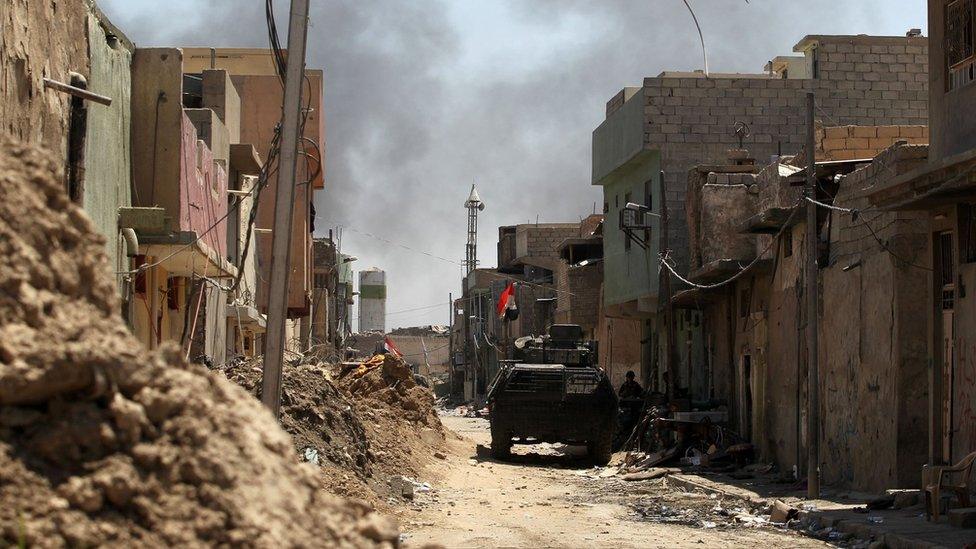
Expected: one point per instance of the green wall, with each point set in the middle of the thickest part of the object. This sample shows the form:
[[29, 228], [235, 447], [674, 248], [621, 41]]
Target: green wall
[[107, 159], [631, 273]]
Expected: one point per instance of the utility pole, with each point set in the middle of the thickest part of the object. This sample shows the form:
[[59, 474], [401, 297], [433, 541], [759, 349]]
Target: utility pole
[[813, 369], [450, 342], [284, 207]]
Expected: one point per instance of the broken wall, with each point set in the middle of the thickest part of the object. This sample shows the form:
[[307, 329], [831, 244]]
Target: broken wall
[[727, 201]]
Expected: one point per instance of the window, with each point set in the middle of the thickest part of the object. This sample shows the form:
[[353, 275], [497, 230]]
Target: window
[[959, 43], [787, 243], [967, 232], [814, 63]]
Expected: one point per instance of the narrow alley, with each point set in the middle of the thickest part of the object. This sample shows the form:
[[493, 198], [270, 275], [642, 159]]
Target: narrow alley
[[440, 274]]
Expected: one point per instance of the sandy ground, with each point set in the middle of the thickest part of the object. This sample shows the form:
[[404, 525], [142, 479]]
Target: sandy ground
[[544, 499]]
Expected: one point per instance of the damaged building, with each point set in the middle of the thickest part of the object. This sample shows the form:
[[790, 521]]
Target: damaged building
[[746, 225]]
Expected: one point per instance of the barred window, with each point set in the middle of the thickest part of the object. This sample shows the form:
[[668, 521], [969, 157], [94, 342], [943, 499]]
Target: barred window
[[967, 232], [959, 43]]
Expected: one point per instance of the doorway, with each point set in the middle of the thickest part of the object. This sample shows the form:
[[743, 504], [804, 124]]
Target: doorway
[[745, 396]]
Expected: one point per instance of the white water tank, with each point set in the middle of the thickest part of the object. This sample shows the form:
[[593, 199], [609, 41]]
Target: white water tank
[[372, 300]]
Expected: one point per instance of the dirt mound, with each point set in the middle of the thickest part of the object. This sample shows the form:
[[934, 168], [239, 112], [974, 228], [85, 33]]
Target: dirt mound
[[321, 419], [102, 443], [388, 379], [399, 415]]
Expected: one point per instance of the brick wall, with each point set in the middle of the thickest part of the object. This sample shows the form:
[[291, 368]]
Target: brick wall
[[543, 240], [856, 142], [861, 81]]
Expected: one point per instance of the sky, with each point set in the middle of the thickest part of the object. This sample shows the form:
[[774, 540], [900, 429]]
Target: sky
[[424, 98]]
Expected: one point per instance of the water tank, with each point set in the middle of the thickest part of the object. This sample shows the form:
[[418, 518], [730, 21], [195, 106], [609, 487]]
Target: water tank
[[372, 300]]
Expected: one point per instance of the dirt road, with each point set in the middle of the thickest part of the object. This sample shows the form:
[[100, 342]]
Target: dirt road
[[547, 497]]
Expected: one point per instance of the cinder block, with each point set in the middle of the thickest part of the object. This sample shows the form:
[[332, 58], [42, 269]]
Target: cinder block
[[865, 131], [857, 143], [835, 144], [879, 143], [838, 132], [911, 131], [889, 131]]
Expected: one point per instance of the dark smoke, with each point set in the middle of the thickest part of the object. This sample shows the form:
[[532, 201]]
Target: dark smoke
[[410, 125]]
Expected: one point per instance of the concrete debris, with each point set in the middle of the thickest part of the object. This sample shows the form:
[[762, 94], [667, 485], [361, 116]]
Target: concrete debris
[[104, 443], [781, 513], [650, 474]]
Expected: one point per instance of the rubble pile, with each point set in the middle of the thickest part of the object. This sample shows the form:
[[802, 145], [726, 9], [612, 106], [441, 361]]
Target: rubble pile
[[321, 420], [399, 414], [103, 443], [388, 379]]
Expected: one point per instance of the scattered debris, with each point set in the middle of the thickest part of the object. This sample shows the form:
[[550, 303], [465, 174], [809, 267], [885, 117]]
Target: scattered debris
[[649, 474]]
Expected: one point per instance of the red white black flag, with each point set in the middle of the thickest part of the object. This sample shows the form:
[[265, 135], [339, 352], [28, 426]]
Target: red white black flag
[[506, 308], [390, 348]]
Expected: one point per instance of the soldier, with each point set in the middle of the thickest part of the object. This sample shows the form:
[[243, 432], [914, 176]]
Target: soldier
[[630, 388]]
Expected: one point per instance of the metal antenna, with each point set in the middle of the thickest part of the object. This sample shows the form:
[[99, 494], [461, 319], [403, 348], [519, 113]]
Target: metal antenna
[[474, 205], [700, 36]]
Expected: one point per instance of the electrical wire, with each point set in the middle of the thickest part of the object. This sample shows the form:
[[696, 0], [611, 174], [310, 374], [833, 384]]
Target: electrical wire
[[855, 219], [666, 256]]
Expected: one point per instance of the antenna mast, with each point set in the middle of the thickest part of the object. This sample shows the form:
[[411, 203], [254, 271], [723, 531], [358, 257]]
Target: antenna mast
[[474, 205]]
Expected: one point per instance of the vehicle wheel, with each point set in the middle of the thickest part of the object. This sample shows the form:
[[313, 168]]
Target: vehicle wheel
[[501, 443], [601, 449]]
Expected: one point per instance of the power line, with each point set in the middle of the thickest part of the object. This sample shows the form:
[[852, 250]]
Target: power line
[[855, 219], [666, 256]]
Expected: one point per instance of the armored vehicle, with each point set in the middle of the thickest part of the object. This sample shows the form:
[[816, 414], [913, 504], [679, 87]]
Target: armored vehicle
[[553, 391]]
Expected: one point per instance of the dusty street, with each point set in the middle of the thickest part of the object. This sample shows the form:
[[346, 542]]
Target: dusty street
[[545, 498]]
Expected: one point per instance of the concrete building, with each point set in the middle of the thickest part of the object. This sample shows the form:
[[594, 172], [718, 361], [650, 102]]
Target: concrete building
[[750, 350], [372, 300], [943, 189], [181, 165], [654, 134], [252, 74]]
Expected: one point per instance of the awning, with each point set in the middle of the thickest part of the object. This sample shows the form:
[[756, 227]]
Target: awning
[[183, 254], [948, 182], [248, 316], [722, 269], [772, 220]]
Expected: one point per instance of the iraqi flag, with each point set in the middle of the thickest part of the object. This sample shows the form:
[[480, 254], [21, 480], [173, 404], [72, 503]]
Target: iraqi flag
[[506, 308], [390, 348]]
